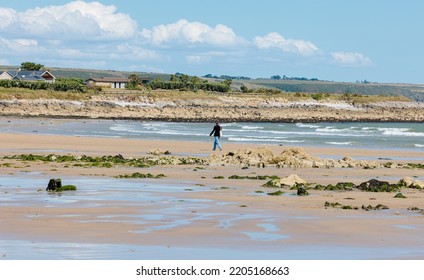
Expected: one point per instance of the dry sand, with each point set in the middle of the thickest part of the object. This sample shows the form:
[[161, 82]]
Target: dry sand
[[218, 213]]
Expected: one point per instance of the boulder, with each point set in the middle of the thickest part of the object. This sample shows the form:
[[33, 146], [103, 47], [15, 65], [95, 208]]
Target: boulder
[[292, 180], [375, 185], [54, 185], [406, 181], [301, 191], [411, 183]]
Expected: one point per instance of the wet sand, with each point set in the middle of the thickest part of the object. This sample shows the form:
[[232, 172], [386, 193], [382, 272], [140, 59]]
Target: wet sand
[[189, 214]]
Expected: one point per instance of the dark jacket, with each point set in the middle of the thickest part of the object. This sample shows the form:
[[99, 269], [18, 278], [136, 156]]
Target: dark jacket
[[216, 131]]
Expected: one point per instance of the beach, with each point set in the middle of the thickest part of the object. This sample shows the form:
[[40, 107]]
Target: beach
[[196, 211]]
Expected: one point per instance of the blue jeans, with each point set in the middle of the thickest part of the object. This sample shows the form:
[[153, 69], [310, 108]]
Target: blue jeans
[[216, 143]]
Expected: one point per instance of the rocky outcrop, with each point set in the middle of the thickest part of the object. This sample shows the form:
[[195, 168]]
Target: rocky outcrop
[[247, 157], [290, 158], [225, 108]]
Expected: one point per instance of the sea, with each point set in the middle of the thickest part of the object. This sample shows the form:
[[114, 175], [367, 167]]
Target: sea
[[369, 135]]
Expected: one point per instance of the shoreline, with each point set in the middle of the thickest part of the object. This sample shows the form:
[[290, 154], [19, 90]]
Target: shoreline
[[208, 120], [191, 212], [224, 109]]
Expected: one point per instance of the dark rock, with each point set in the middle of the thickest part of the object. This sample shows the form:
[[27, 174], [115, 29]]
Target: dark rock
[[374, 185], [54, 185], [399, 195], [302, 191]]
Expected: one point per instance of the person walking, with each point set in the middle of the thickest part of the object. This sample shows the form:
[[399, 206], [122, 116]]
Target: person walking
[[217, 133]]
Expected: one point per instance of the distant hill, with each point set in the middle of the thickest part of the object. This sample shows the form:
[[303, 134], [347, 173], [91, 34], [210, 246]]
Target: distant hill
[[412, 91], [89, 73]]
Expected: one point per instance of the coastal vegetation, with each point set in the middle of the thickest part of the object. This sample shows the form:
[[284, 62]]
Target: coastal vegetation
[[190, 83], [291, 88], [328, 204], [138, 175], [61, 84]]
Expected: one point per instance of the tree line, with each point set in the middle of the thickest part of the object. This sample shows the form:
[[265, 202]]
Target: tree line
[[185, 82], [61, 84]]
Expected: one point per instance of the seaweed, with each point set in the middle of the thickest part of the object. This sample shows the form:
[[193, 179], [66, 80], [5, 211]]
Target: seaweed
[[332, 204], [338, 205], [67, 188], [374, 185], [140, 175], [399, 195], [108, 160], [415, 165], [341, 186], [277, 193], [258, 177], [378, 207]]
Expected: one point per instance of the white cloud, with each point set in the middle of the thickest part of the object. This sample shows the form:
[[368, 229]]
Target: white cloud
[[184, 31], [75, 20], [275, 40], [7, 17], [18, 46], [350, 59]]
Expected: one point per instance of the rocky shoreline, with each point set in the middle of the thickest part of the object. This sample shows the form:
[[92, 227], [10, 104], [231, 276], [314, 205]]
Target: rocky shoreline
[[222, 108]]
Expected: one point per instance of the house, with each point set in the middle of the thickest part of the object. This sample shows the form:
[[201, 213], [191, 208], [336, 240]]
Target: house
[[111, 82], [28, 75]]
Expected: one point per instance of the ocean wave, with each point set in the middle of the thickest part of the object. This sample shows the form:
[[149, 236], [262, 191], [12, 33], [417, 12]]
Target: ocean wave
[[332, 129], [159, 132], [419, 145], [248, 127], [307, 125], [339, 143], [400, 132], [293, 141]]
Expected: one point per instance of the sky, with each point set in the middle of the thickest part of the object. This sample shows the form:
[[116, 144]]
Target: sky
[[348, 41]]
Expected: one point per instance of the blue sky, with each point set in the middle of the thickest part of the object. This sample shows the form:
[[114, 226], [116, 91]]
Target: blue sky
[[379, 41]]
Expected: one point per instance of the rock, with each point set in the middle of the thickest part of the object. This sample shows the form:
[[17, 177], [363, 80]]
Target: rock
[[406, 181], [301, 191], [54, 185], [291, 180], [247, 157], [399, 195], [288, 181], [374, 185], [156, 152], [298, 158], [418, 184], [411, 183]]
